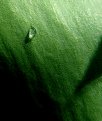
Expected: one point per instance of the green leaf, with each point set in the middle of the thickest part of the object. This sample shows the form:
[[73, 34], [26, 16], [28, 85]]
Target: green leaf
[[65, 54]]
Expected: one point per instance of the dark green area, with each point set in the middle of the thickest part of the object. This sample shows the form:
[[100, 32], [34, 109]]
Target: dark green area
[[17, 100], [94, 70]]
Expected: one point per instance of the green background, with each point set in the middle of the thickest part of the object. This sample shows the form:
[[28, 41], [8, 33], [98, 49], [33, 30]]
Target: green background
[[61, 54]]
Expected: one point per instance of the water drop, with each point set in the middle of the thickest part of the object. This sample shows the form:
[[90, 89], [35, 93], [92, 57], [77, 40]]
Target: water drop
[[32, 32], [30, 35]]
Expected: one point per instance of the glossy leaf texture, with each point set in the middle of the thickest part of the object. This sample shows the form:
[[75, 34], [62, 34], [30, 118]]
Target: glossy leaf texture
[[62, 64]]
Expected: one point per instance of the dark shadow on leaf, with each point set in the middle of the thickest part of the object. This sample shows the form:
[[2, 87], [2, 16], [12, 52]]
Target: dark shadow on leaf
[[16, 98], [27, 40], [94, 70]]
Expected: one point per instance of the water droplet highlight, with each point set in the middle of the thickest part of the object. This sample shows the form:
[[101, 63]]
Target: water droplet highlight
[[32, 32], [30, 35]]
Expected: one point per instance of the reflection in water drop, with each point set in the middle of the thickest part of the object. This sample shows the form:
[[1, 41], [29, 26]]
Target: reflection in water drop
[[32, 32], [30, 35]]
